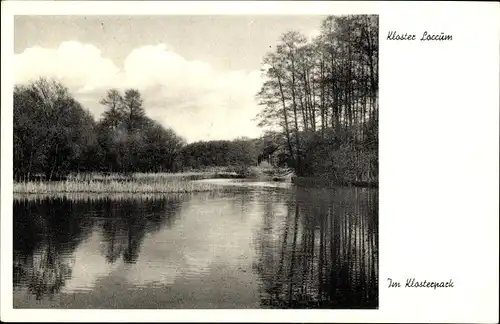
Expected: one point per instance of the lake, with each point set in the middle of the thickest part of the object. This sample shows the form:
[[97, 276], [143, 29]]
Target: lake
[[261, 245]]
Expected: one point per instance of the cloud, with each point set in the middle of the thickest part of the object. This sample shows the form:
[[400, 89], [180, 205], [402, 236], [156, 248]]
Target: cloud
[[87, 265], [201, 238], [189, 96], [77, 65], [311, 35]]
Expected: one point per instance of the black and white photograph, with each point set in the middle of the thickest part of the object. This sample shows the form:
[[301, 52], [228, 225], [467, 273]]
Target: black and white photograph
[[195, 162], [249, 161]]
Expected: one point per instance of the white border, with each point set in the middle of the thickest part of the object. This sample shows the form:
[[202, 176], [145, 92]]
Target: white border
[[439, 115]]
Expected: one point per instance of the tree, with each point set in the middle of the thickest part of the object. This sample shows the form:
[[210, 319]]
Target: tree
[[114, 116], [52, 131], [331, 81], [133, 110], [132, 142], [161, 148]]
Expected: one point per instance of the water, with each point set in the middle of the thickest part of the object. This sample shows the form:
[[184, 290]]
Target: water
[[262, 245]]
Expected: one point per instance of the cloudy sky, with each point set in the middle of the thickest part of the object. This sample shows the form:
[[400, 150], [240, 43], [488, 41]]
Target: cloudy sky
[[197, 74]]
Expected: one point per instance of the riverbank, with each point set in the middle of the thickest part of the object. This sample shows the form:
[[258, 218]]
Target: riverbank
[[120, 183], [328, 183], [182, 182], [172, 186]]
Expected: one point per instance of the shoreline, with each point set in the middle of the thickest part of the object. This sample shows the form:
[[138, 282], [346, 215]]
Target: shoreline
[[163, 183], [160, 186], [316, 182]]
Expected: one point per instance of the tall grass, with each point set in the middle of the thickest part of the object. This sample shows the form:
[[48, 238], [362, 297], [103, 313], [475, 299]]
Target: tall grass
[[115, 186], [123, 196], [183, 182], [164, 176]]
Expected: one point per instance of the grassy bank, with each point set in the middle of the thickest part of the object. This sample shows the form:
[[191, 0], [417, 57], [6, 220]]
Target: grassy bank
[[69, 186], [155, 177], [183, 182], [119, 183]]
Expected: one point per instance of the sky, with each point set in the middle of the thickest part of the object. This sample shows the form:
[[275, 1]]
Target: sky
[[197, 74]]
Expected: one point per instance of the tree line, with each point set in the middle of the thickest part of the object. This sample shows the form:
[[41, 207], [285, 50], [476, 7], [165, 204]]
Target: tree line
[[54, 135], [320, 97], [320, 109]]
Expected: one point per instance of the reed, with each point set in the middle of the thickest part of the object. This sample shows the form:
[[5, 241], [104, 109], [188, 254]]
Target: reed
[[158, 185], [155, 183], [160, 176], [121, 196]]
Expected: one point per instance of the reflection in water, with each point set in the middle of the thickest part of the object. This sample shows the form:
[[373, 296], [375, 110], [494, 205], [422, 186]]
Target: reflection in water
[[320, 251], [257, 248], [47, 232]]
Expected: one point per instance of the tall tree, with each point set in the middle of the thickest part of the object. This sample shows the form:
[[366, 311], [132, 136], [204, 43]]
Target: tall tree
[[114, 101], [52, 131], [334, 78], [134, 114]]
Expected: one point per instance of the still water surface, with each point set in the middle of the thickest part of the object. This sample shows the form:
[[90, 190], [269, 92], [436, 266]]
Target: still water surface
[[261, 245]]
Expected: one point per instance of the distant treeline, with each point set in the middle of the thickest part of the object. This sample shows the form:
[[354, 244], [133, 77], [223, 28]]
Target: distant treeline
[[239, 152], [54, 135], [322, 96]]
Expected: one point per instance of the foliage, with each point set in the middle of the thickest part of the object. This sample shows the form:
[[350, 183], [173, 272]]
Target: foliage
[[320, 107], [237, 153], [323, 96], [54, 136], [51, 130]]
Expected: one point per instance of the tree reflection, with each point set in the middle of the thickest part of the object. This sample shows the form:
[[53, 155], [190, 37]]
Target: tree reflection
[[328, 251], [111, 229], [48, 231], [49, 271], [127, 222], [135, 224]]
